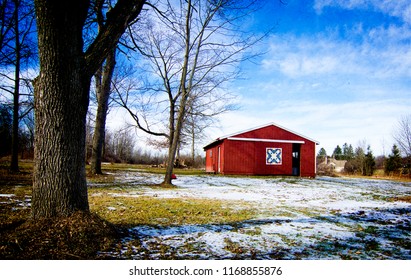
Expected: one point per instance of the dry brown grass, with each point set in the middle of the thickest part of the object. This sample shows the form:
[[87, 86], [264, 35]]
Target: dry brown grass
[[404, 198], [79, 236]]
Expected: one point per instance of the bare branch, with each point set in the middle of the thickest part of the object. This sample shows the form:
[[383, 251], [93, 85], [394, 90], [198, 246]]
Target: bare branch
[[123, 102], [123, 13], [402, 135]]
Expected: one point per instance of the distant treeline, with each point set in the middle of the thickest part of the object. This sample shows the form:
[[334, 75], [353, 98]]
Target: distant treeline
[[362, 161], [26, 133], [119, 146]]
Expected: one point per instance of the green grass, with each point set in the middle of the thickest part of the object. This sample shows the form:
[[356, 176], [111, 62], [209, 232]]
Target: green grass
[[144, 210], [253, 231]]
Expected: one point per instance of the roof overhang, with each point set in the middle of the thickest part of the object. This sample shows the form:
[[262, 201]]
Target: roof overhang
[[265, 140]]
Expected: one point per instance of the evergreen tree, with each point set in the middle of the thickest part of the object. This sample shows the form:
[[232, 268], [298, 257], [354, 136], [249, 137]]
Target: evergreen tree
[[337, 154], [350, 153], [344, 151], [393, 162], [369, 163], [322, 153], [347, 152]]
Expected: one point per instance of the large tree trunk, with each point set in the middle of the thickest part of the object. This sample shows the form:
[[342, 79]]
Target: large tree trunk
[[61, 101], [103, 88], [193, 143], [170, 164], [186, 83], [62, 96], [174, 139]]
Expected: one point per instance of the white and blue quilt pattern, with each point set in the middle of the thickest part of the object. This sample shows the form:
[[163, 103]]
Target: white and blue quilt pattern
[[274, 156]]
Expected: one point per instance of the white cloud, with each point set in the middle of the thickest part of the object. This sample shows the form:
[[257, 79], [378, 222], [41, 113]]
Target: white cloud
[[390, 34], [294, 56], [322, 55], [395, 8], [294, 65]]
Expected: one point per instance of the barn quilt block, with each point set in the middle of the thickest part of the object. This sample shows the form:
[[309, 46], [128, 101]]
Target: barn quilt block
[[274, 156]]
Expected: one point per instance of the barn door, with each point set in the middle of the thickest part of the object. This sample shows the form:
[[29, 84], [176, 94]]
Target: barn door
[[296, 159], [219, 160]]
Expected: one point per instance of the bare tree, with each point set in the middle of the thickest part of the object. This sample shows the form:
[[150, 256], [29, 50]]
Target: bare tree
[[122, 143], [17, 48], [402, 135], [62, 97], [193, 48], [103, 79], [193, 130], [203, 107], [6, 25]]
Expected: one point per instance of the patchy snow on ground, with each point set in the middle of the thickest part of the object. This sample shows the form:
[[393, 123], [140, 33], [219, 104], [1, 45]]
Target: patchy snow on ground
[[18, 203], [323, 218]]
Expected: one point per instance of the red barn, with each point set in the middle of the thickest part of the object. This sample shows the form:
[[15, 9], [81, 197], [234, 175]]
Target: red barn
[[266, 150]]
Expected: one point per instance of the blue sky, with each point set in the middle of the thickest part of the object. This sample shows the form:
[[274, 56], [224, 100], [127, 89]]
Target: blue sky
[[336, 71]]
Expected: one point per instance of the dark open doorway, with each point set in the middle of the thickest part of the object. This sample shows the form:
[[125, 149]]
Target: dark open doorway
[[296, 159]]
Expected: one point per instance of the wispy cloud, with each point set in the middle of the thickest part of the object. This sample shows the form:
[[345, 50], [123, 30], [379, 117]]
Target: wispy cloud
[[323, 55], [395, 8]]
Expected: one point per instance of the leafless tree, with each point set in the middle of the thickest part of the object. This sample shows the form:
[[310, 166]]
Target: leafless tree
[[192, 49], [402, 135], [121, 144], [103, 79], [17, 49]]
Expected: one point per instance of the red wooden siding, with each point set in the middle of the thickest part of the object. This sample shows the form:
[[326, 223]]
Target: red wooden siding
[[249, 158], [308, 159], [215, 158], [209, 160], [270, 132]]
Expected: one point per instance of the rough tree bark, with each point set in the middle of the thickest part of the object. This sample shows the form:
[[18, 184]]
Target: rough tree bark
[[61, 100]]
